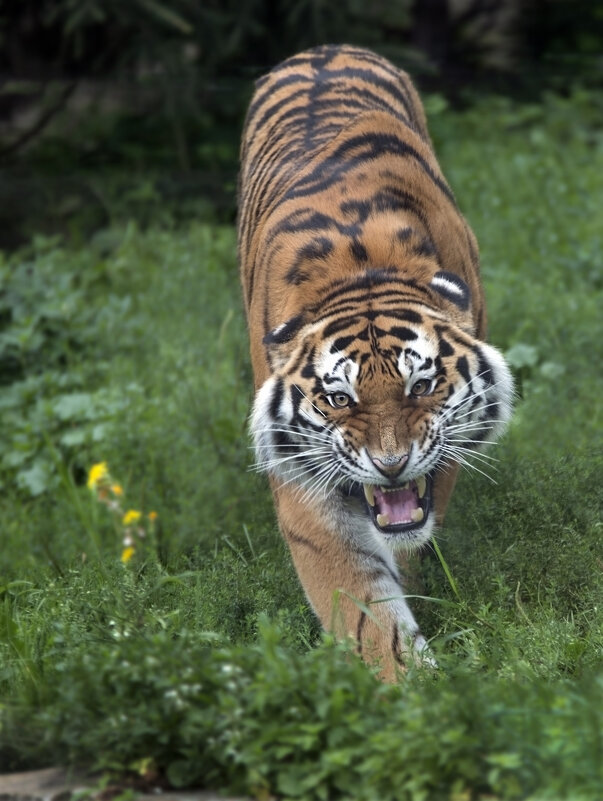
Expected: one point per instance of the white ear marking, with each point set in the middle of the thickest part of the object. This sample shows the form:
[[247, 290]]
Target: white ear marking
[[451, 287]]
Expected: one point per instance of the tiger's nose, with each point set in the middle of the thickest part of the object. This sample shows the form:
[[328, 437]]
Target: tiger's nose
[[390, 465]]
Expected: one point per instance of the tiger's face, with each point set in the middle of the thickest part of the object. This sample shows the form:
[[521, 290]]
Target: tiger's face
[[366, 405]]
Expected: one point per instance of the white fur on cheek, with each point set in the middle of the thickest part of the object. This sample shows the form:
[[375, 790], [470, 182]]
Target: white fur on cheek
[[501, 390], [262, 422], [289, 439]]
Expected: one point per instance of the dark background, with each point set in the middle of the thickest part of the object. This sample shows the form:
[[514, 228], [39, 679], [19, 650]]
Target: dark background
[[113, 108]]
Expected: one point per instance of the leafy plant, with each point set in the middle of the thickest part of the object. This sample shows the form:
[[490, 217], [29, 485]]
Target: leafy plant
[[316, 725], [57, 312]]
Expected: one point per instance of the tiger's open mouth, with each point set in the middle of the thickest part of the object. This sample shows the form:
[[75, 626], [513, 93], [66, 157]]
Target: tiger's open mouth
[[395, 509]]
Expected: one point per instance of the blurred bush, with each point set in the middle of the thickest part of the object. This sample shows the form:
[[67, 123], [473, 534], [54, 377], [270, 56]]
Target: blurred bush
[[221, 38], [162, 85]]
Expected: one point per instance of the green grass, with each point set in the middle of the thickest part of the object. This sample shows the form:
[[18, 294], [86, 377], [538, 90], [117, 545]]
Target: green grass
[[199, 655]]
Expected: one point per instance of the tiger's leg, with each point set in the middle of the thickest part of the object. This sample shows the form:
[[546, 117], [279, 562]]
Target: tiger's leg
[[353, 586]]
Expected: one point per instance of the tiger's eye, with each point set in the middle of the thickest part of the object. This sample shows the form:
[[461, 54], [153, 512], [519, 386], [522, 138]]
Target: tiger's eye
[[421, 387], [339, 400]]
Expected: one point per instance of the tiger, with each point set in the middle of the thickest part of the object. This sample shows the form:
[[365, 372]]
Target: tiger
[[366, 315]]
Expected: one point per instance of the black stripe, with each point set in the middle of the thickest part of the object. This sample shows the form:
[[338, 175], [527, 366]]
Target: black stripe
[[285, 332], [270, 90], [345, 457], [392, 88], [316, 250], [306, 351], [392, 198], [344, 287], [390, 305], [357, 209], [491, 413], [277, 399], [396, 647], [254, 125], [368, 147], [340, 325], [308, 370], [303, 109], [305, 219], [452, 334], [358, 251], [341, 343], [404, 334], [359, 627], [371, 556], [281, 438], [297, 396], [483, 367], [377, 574], [304, 422], [382, 64], [402, 234], [444, 347], [291, 537], [406, 314], [425, 248]]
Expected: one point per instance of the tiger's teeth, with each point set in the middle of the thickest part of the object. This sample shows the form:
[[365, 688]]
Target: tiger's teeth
[[382, 520], [395, 489], [369, 494], [421, 483], [417, 515]]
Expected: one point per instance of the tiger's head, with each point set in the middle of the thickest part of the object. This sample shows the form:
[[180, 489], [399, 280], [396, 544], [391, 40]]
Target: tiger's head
[[373, 392]]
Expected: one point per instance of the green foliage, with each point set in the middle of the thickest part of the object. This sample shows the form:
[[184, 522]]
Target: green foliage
[[315, 725], [525, 556], [132, 350], [565, 39], [57, 311], [218, 36]]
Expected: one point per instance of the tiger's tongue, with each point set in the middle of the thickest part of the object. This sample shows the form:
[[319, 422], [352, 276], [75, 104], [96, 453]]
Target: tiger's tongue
[[398, 505]]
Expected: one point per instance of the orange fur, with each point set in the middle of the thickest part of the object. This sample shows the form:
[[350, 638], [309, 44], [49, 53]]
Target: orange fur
[[347, 227]]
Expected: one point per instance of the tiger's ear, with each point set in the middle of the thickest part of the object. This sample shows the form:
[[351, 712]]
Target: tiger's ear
[[452, 288], [280, 342], [457, 295]]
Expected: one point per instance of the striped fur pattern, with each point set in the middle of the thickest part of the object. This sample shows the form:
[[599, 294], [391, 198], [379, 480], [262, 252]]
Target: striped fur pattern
[[367, 321]]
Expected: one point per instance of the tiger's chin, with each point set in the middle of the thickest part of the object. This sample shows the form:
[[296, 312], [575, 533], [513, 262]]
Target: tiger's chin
[[402, 515]]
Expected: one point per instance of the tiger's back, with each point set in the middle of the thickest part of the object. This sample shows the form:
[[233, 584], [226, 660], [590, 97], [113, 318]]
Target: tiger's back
[[313, 127], [361, 285]]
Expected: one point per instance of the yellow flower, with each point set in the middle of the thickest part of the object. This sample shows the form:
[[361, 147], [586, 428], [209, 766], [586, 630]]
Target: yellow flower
[[131, 516], [98, 472], [117, 489], [153, 516], [127, 554]]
